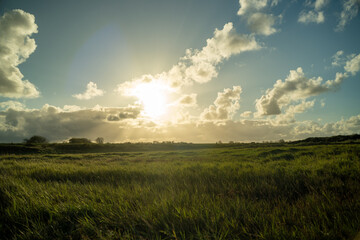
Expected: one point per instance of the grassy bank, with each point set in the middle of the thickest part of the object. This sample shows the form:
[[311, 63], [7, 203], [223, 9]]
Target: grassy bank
[[278, 192]]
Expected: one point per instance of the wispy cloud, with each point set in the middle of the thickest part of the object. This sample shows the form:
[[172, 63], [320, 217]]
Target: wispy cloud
[[349, 11], [311, 17], [338, 58]]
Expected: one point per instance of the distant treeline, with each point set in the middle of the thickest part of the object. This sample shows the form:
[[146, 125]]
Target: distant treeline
[[83, 145], [327, 140]]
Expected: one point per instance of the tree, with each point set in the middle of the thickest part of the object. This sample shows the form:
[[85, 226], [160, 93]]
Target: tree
[[79, 140], [36, 140], [99, 140]]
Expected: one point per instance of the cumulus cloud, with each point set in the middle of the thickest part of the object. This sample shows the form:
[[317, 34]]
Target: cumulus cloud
[[262, 23], [314, 15], [251, 5], [224, 107], [57, 123], [200, 65], [188, 100], [16, 27], [349, 11], [257, 21], [90, 92], [197, 66], [295, 87], [353, 65], [350, 62], [246, 114], [289, 114], [12, 104], [342, 127], [311, 17]]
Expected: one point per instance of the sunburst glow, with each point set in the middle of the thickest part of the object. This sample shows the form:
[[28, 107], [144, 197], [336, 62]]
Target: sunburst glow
[[153, 97]]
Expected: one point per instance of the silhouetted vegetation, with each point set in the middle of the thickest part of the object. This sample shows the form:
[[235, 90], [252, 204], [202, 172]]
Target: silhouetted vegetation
[[84, 145], [79, 140], [99, 140], [327, 140], [225, 191], [36, 140]]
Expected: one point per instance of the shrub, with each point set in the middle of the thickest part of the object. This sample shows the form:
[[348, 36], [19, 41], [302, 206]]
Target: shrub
[[36, 140], [79, 140]]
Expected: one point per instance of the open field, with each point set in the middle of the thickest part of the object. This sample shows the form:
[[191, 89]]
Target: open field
[[210, 192]]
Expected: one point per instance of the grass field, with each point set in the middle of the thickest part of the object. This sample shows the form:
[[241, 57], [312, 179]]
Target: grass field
[[231, 192]]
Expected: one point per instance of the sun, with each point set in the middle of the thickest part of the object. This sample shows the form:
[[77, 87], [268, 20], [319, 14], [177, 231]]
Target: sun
[[152, 95]]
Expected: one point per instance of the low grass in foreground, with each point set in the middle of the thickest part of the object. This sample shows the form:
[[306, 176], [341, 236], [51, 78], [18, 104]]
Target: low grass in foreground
[[303, 192]]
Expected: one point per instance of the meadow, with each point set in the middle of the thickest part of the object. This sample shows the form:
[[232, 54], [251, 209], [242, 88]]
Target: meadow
[[210, 192]]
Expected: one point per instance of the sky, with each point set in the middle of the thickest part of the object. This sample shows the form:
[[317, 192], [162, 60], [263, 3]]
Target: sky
[[167, 70]]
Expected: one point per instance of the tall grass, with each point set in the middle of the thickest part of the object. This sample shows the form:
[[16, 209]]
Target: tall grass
[[271, 193]]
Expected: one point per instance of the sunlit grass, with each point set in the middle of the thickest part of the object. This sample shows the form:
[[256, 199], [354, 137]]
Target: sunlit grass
[[227, 193]]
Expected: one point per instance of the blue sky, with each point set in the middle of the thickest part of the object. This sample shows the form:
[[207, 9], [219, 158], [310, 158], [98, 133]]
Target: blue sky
[[224, 91]]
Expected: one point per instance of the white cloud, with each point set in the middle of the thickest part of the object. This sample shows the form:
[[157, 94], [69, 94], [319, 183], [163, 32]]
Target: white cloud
[[353, 65], [257, 21], [295, 87], [91, 92], [188, 100], [224, 107], [262, 23], [12, 104], [198, 66], [322, 103], [251, 5], [350, 62], [335, 84], [125, 124], [350, 10], [225, 43], [16, 27], [72, 108], [246, 114], [311, 17], [338, 58], [319, 4], [314, 15], [342, 127], [58, 124], [289, 113]]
